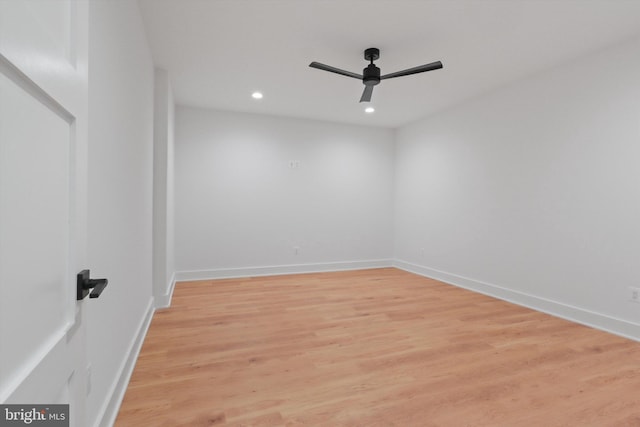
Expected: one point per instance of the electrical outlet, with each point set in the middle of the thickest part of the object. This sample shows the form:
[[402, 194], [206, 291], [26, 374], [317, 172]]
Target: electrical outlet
[[634, 294], [296, 250]]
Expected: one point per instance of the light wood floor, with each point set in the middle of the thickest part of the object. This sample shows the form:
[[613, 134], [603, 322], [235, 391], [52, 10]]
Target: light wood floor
[[373, 348]]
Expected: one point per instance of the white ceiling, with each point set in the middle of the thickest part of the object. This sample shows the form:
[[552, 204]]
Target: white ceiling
[[217, 52]]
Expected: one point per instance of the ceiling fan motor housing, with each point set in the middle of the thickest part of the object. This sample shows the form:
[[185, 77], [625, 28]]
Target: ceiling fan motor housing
[[371, 75]]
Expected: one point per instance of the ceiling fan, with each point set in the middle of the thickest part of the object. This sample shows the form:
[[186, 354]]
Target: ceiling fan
[[371, 74]]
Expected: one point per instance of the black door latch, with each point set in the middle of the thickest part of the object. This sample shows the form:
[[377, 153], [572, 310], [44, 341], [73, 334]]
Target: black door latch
[[87, 286]]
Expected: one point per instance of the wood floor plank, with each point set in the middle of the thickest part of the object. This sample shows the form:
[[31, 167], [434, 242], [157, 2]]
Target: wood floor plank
[[377, 347]]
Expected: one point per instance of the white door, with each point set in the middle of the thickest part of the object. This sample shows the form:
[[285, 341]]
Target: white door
[[43, 131]]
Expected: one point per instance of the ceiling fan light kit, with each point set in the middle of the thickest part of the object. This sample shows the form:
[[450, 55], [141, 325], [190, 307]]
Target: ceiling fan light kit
[[371, 73]]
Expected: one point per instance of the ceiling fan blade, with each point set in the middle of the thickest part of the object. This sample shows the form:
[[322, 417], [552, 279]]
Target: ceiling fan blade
[[419, 69], [331, 69], [366, 95]]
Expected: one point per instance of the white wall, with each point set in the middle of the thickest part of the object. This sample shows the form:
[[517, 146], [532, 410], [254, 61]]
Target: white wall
[[120, 197], [163, 229], [240, 206], [532, 192]]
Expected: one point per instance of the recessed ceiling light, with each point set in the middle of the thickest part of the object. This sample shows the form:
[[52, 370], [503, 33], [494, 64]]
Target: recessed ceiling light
[[257, 95], [369, 110]]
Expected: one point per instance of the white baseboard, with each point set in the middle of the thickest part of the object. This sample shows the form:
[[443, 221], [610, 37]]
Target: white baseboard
[[580, 315], [111, 406], [164, 301], [228, 273]]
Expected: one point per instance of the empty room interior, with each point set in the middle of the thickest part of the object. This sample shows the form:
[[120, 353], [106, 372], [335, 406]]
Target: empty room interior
[[321, 213]]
